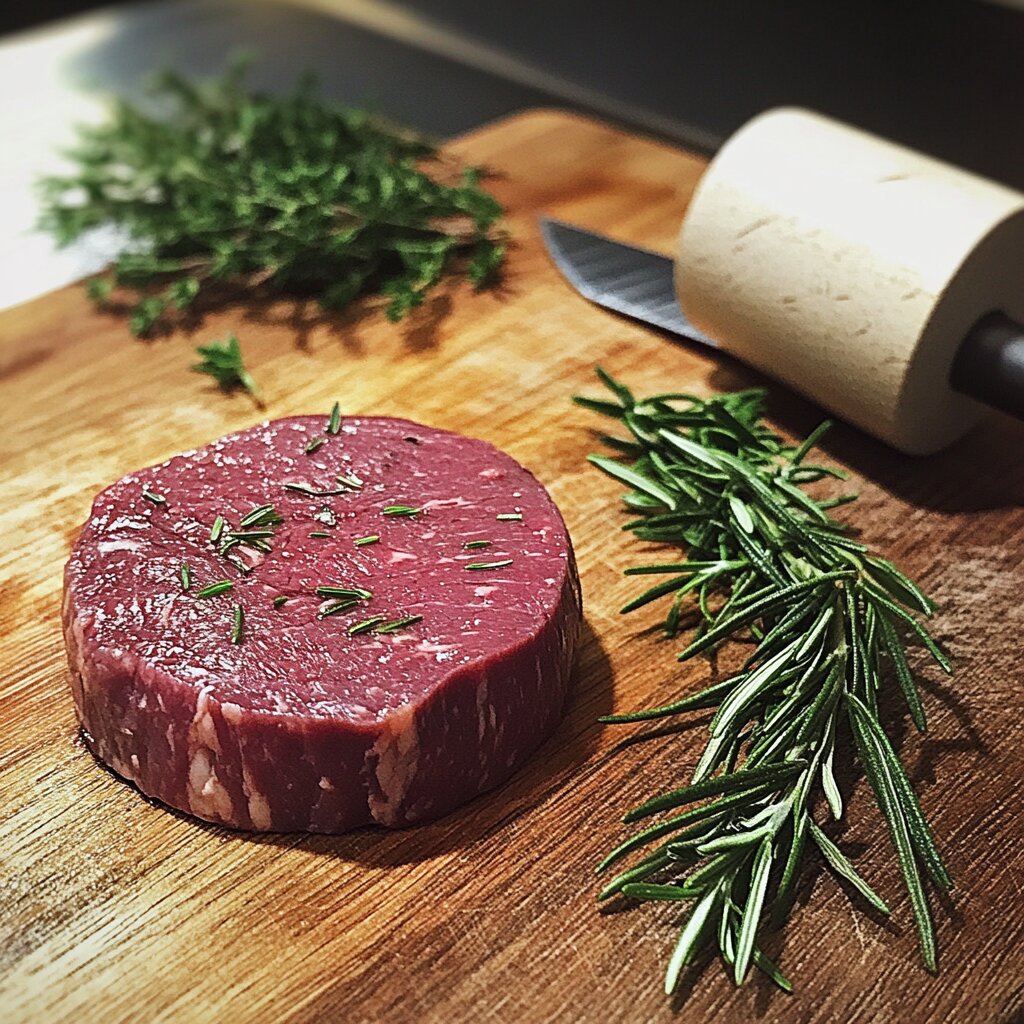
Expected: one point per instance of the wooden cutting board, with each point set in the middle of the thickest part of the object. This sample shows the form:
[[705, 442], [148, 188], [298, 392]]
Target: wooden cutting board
[[112, 909]]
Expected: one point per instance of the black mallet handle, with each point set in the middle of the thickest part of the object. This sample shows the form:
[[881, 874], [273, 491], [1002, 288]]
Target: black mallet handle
[[990, 364]]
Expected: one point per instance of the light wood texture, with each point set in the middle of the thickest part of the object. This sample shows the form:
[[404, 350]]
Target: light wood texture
[[112, 909]]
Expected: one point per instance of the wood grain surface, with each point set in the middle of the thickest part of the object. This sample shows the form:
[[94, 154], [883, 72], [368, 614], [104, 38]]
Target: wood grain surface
[[112, 909]]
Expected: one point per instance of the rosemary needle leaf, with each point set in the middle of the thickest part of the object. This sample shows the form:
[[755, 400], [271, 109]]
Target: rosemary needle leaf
[[228, 189], [636, 480], [752, 910], [767, 967], [842, 867], [185, 573], [366, 625], [217, 529], [335, 607], [689, 940], [236, 633], [888, 801], [213, 589], [397, 624], [643, 891], [334, 422], [361, 542], [359, 593], [222, 360], [828, 622]]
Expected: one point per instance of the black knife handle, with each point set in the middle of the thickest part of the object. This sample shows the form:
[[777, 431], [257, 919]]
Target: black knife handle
[[990, 364]]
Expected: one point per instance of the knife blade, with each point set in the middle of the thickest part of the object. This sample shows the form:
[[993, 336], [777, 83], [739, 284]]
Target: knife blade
[[624, 278]]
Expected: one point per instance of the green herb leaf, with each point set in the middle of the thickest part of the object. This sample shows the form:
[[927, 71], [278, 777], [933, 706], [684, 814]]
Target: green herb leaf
[[236, 633], [366, 625], [334, 422], [334, 607], [213, 589], [402, 510], [329, 590], [217, 529], [397, 624]]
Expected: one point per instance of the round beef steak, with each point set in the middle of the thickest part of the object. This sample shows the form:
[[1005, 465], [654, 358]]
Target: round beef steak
[[317, 624]]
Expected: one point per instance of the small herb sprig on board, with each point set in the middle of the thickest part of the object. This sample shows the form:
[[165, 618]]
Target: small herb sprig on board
[[828, 622], [292, 193], [222, 360]]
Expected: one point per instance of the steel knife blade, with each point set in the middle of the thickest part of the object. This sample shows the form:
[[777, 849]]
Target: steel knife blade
[[627, 279]]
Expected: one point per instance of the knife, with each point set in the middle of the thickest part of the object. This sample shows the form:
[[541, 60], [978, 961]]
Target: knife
[[640, 284]]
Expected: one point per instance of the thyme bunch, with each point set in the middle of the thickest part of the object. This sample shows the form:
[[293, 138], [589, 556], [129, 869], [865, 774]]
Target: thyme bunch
[[292, 194], [829, 625]]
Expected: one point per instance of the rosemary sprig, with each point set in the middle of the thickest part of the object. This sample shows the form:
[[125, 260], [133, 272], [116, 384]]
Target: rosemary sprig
[[289, 193], [222, 360], [828, 621]]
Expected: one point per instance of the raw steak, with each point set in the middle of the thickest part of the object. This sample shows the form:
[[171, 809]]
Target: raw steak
[[322, 711]]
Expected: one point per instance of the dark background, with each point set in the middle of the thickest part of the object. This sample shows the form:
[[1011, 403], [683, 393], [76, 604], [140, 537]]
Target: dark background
[[944, 77]]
